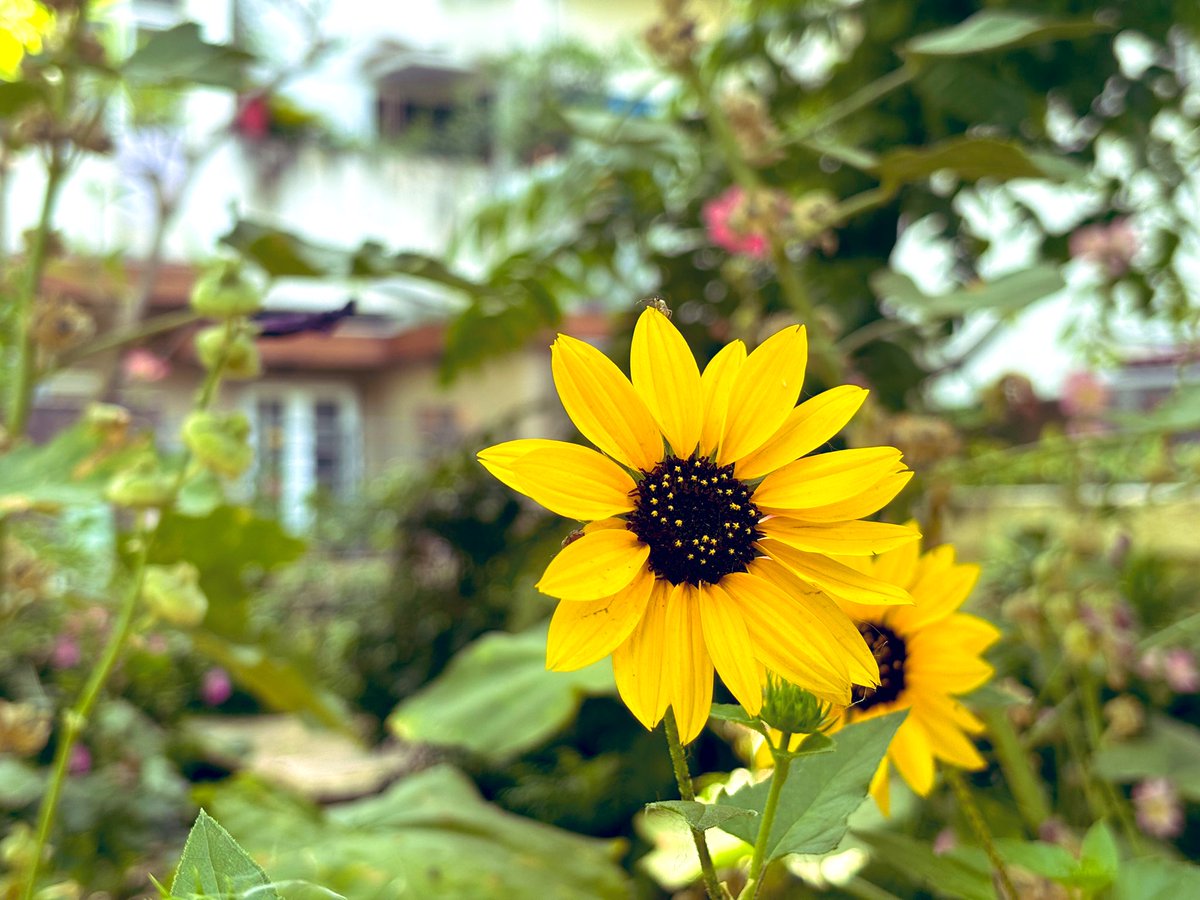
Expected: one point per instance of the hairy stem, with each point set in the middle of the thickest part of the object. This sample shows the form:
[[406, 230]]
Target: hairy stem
[[684, 779], [979, 825], [779, 777]]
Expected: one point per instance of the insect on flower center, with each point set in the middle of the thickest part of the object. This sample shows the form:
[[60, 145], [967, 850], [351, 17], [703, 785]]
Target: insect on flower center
[[890, 653], [697, 520]]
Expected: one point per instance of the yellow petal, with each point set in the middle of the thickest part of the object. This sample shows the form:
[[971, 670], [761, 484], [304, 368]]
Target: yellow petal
[[834, 578], [840, 635], [597, 565], [946, 740], [574, 481], [825, 478], [970, 633], [807, 427], [869, 500], [688, 666], [583, 632], [848, 538], [603, 404], [499, 459], [716, 384], [898, 566], [729, 645], [781, 629], [941, 590], [667, 379], [912, 756], [935, 665], [638, 663], [764, 393], [880, 789]]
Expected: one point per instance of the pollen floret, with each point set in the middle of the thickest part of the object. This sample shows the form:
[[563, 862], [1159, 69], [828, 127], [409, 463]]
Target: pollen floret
[[697, 519], [889, 651]]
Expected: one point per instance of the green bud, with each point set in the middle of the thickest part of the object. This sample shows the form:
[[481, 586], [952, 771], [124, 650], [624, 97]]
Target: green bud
[[141, 484], [219, 441], [1077, 643], [223, 292], [789, 708], [107, 420], [173, 594], [241, 360]]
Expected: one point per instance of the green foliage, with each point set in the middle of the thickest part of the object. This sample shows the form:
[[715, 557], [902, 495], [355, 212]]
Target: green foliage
[[821, 791], [497, 699], [429, 834], [701, 815], [999, 29], [213, 865], [181, 57], [1169, 749]]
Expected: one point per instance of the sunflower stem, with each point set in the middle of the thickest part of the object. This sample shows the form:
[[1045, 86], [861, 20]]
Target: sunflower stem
[[783, 762], [979, 825], [684, 779], [1023, 781]]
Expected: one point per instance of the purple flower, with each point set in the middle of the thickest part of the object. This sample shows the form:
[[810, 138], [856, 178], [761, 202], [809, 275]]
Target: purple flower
[[80, 762], [1157, 807], [65, 654], [1179, 670], [215, 687]]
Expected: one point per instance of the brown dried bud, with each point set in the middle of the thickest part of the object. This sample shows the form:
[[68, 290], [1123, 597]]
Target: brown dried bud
[[924, 440], [59, 324], [24, 729], [757, 137], [672, 37]]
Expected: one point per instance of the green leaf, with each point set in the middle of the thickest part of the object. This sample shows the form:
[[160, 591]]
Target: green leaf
[[702, 816], [428, 835], [821, 792], [1156, 879], [15, 96], [970, 158], [951, 875], [1006, 294], [997, 29], [1178, 413], [1099, 850], [180, 56], [1047, 860], [1169, 749], [731, 712], [814, 743], [497, 699], [213, 865]]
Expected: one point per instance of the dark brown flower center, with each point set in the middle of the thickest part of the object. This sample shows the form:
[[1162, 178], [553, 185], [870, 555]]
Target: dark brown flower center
[[889, 651], [697, 520]]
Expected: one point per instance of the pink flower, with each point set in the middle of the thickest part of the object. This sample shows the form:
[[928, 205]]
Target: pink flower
[[65, 654], [1157, 807], [80, 762], [215, 687], [945, 841], [1112, 246], [724, 219], [142, 365], [254, 119], [1084, 395], [1179, 671]]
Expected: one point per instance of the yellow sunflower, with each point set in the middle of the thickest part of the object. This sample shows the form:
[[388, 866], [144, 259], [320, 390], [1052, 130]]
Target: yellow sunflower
[[928, 654], [23, 25], [710, 530]]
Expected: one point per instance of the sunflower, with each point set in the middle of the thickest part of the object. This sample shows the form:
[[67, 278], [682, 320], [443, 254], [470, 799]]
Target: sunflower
[[928, 654], [710, 532]]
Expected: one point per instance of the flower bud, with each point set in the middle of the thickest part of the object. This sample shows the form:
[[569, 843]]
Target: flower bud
[[789, 708], [142, 484], [173, 594], [238, 358], [220, 441], [24, 729], [223, 292]]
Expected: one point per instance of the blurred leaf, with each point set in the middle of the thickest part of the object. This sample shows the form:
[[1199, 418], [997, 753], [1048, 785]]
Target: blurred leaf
[[497, 699], [1005, 294], [701, 815], [996, 29], [71, 469], [950, 875], [1156, 879], [278, 683], [20, 783], [821, 792], [429, 835], [1098, 854], [1170, 749], [731, 712], [970, 158], [1048, 860], [15, 96], [1179, 412], [1186, 631], [180, 56], [200, 494], [213, 865]]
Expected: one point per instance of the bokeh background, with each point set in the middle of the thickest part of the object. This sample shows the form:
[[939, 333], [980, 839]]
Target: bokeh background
[[984, 211]]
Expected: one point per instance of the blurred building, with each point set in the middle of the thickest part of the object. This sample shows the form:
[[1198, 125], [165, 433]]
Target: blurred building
[[383, 135]]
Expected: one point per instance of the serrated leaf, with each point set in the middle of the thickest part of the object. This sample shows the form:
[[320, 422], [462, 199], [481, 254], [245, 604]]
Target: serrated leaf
[[214, 865], [731, 712], [999, 29], [497, 699], [1006, 294], [821, 791], [701, 816]]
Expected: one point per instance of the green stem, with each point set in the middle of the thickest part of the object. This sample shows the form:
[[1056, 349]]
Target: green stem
[[684, 779], [76, 718], [864, 97], [783, 763], [1094, 722], [979, 825], [1023, 781]]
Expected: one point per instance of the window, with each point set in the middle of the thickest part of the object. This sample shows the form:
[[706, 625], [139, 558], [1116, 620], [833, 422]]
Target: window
[[436, 111]]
